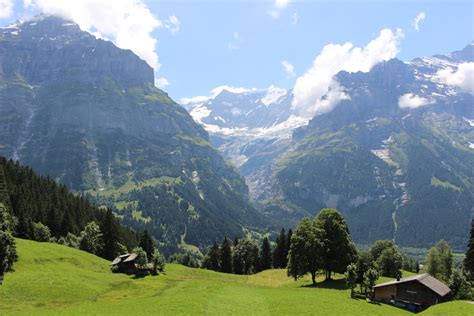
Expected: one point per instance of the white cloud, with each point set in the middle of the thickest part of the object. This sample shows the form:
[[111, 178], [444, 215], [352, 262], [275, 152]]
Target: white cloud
[[289, 68], [6, 8], [295, 18], [318, 80], [161, 82], [413, 101], [462, 78], [278, 6], [128, 23], [281, 4], [172, 24], [416, 22], [236, 41]]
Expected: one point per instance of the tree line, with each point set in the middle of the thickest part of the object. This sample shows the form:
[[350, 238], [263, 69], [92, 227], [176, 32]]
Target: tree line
[[37, 208], [245, 256]]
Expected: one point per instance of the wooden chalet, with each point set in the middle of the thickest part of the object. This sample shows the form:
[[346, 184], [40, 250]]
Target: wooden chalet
[[127, 264], [414, 293]]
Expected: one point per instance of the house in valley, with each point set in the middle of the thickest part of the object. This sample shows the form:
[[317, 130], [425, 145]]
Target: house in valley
[[127, 264], [414, 293]]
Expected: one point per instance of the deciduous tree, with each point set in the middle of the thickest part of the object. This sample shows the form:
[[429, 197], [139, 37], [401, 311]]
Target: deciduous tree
[[338, 249], [306, 250], [91, 238], [351, 277]]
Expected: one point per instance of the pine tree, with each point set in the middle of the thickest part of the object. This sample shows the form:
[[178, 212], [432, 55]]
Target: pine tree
[[265, 255], [288, 242], [147, 243], [4, 196], [110, 236], [469, 259], [226, 257], [279, 254], [214, 256]]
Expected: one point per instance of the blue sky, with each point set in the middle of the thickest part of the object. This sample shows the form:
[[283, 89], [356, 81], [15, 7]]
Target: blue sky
[[243, 43]]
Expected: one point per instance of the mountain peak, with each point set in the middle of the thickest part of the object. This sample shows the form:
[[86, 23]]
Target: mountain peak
[[64, 52]]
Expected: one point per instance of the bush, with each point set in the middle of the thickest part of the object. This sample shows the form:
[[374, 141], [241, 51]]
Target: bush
[[460, 285], [41, 232], [141, 256], [8, 253], [91, 238], [158, 262], [185, 259]]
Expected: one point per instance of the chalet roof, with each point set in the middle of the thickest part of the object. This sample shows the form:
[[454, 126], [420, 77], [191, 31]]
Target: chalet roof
[[132, 257], [427, 280], [124, 258]]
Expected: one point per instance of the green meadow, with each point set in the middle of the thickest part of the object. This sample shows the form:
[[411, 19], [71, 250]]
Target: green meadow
[[51, 279]]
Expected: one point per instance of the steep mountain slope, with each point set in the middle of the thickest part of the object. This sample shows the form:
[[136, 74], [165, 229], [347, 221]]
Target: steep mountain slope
[[87, 114], [397, 172]]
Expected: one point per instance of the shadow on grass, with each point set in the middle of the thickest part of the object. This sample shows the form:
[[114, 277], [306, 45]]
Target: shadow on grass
[[329, 284]]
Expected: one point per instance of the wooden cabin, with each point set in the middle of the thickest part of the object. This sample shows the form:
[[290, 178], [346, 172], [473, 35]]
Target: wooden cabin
[[127, 264], [414, 293]]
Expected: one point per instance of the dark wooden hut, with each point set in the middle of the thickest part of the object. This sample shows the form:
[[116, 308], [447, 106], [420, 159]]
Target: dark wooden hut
[[127, 264], [414, 293]]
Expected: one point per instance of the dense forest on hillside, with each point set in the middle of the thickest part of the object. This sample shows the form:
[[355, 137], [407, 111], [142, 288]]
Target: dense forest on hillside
[[36, 199]]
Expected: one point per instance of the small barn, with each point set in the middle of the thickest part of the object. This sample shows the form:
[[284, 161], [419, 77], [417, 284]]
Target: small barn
[[127, 264], [414, 293]]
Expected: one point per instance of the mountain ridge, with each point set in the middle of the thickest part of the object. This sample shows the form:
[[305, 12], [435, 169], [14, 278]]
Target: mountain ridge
[[99, 125]]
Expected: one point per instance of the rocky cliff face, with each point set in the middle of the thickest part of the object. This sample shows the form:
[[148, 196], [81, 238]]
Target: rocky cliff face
[[87, 114], [396, 172]]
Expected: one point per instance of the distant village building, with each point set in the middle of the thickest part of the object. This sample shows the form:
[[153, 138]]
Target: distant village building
[[414, 293], [127, 264]]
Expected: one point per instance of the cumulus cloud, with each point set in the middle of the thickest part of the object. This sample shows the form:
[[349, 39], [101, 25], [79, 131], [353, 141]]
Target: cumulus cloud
[[311, 87], [413, 101], [173, 24], [6, 8], [417, 20], [461, 78], [289, 68], [128, 23], [161, 82], [278, 6]]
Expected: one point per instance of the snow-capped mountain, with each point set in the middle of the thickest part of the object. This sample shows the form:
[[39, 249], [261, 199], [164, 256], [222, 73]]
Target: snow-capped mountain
[[395, 155], [256, 113]]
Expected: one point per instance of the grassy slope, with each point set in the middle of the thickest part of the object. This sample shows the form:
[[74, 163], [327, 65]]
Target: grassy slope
[[53, 279]]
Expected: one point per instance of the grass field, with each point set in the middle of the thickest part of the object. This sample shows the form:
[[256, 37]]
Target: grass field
[[53, 279]]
